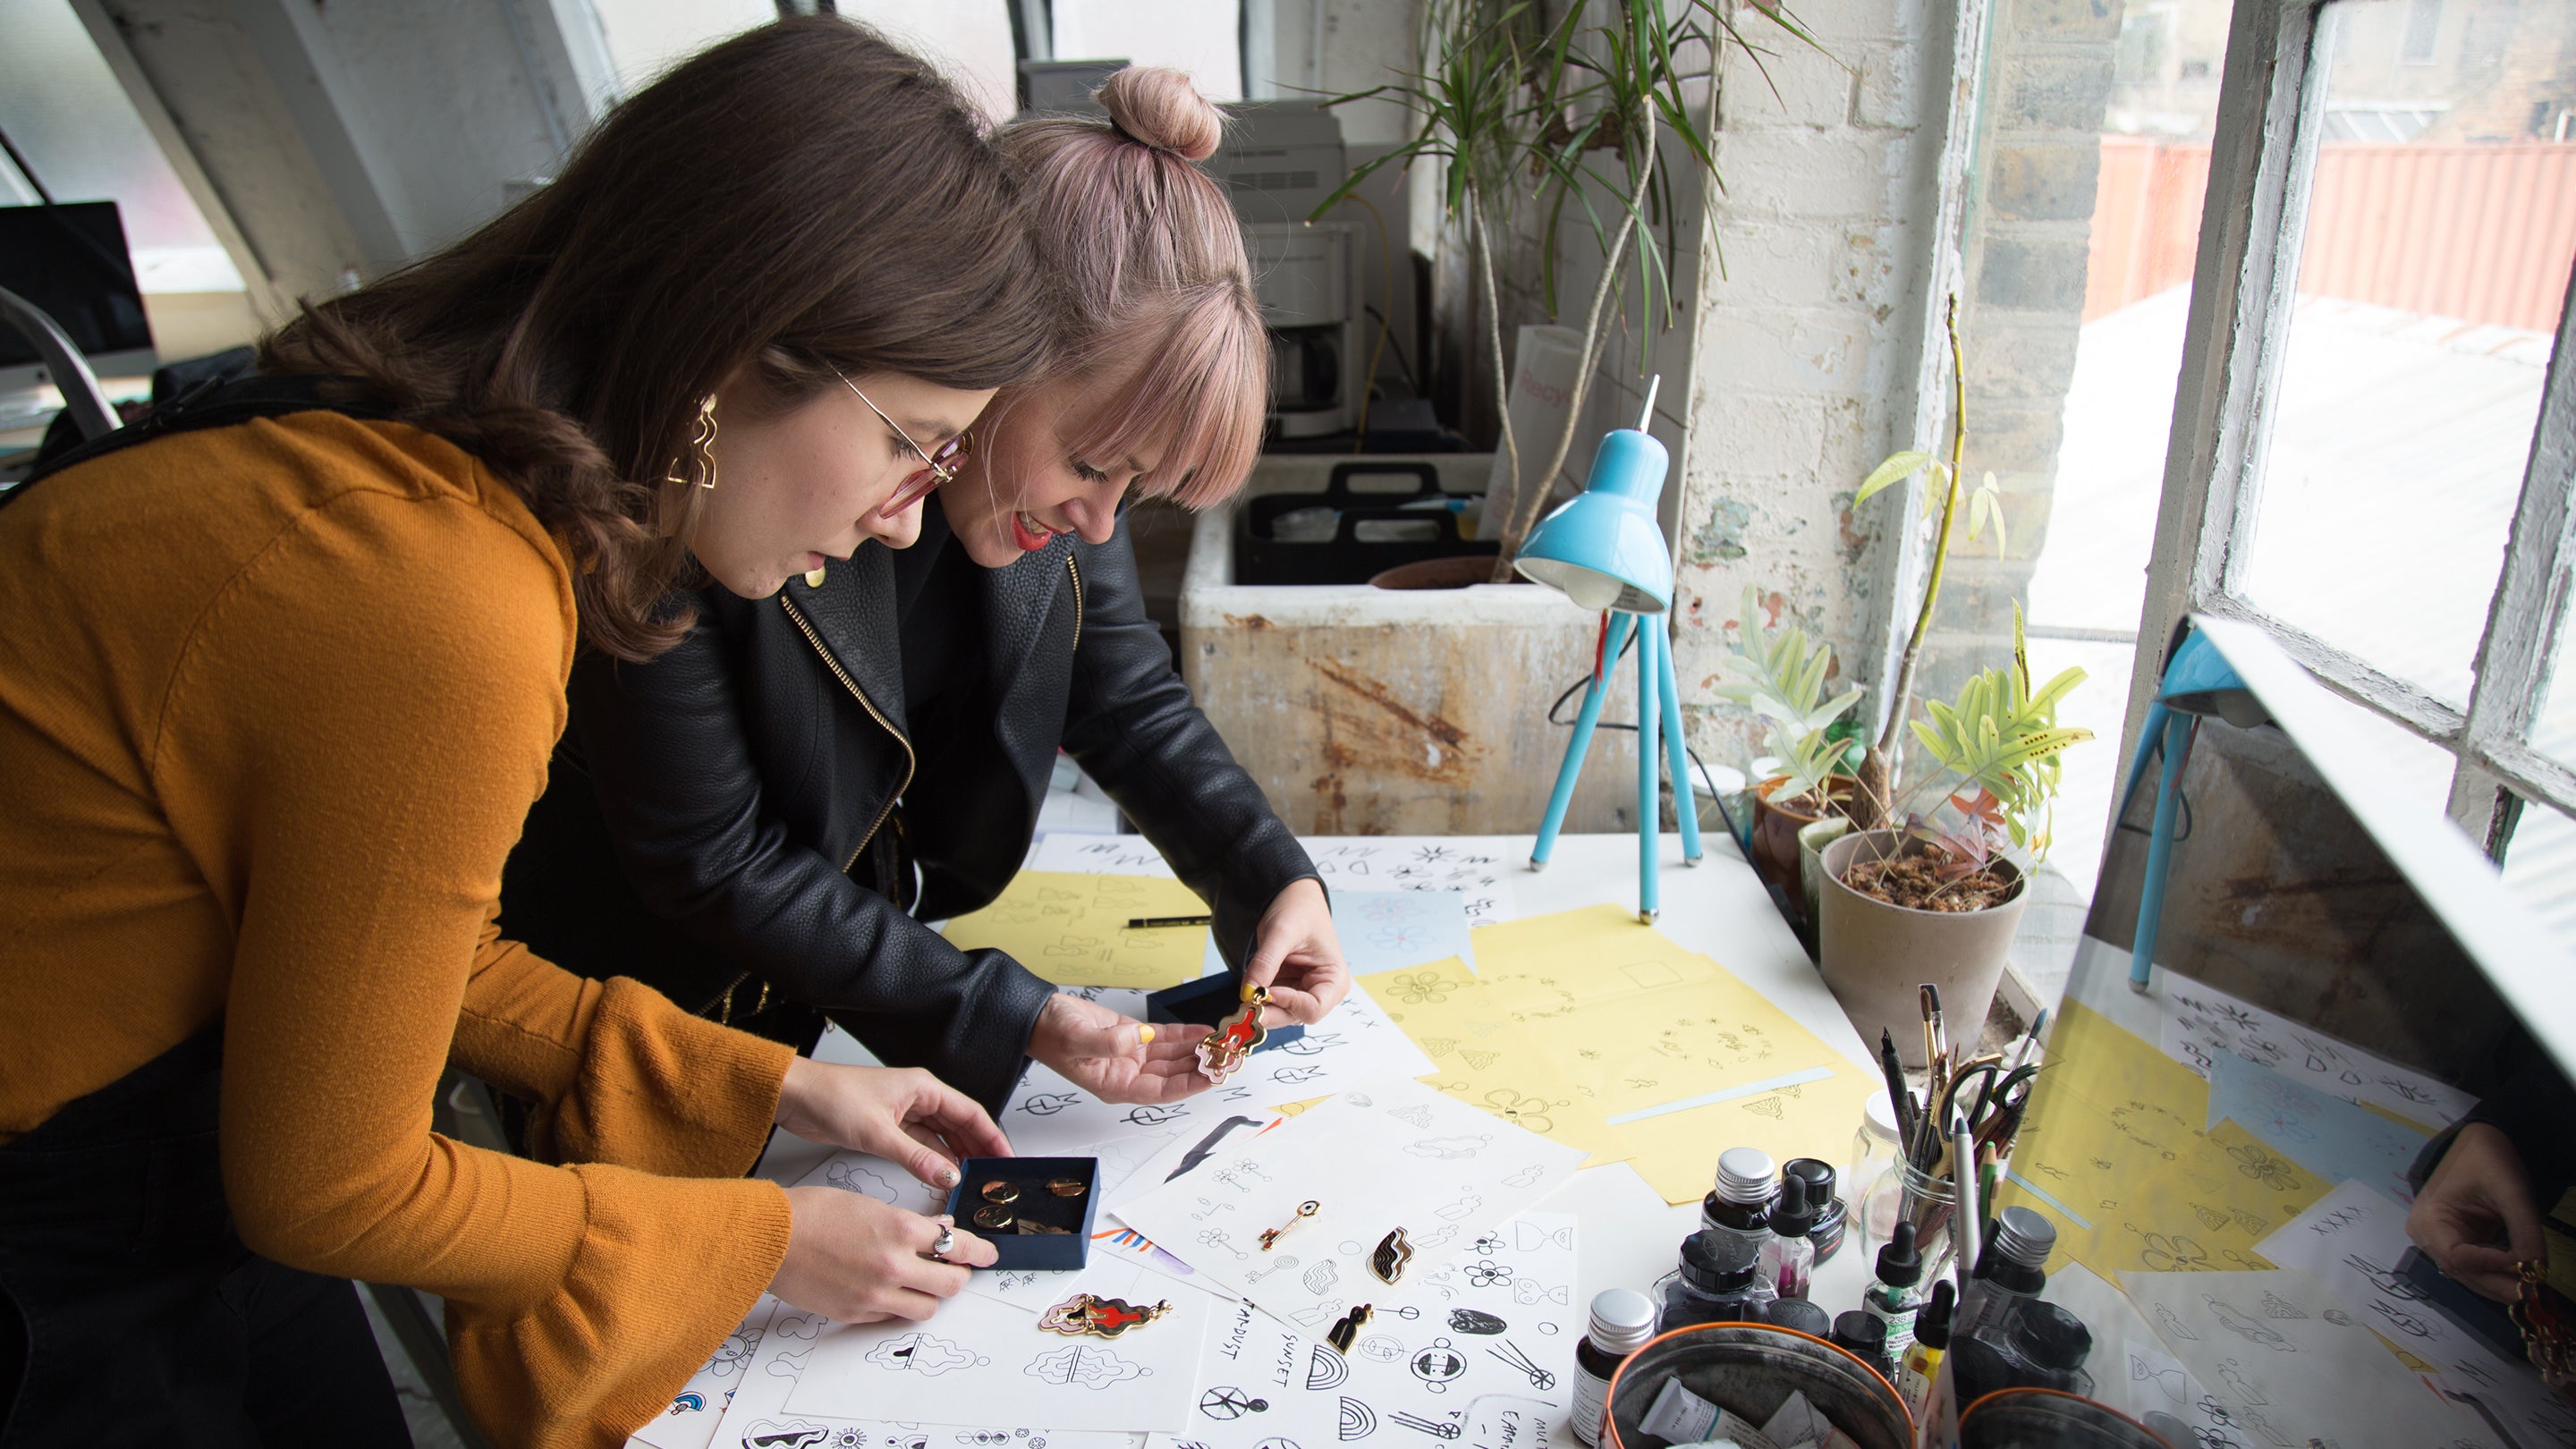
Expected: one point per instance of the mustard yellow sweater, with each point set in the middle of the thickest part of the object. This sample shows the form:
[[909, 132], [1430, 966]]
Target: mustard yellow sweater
[[274, 700]]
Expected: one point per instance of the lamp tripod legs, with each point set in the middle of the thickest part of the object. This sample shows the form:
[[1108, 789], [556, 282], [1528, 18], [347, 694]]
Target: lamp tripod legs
[[1650, 717], [1676, 747], [1586, 720]]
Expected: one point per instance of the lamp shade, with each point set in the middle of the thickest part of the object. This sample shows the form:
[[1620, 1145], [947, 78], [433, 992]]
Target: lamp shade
[[1602, 548]]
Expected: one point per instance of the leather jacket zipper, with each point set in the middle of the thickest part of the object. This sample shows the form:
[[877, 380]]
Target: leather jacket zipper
[[910, 760], [1077, 599]]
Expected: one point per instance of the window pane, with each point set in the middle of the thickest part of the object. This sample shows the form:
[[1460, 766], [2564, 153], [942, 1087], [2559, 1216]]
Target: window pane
[[2540, 866], [2439, 233]]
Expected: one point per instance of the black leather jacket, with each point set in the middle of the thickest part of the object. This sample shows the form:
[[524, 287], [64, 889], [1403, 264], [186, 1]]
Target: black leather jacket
[[738, 819]]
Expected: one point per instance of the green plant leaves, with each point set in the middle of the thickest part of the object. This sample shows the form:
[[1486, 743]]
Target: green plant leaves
[[1898, 467]]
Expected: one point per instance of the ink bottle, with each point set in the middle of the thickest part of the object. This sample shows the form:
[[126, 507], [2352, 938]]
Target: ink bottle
[[1896, 1293], [1740, 1205], [2008, 1275], [1864, 1337], [1715, 1284], [1789, 1258], [1831, 1216], [1623, 1319], [1799, 1315], [2045, 1348], [1922, 1363]]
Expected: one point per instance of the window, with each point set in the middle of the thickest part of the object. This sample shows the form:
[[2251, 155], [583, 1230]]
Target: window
[[2377, 419]]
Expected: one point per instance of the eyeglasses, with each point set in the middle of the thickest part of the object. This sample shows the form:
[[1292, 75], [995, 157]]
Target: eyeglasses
[[941, 466]]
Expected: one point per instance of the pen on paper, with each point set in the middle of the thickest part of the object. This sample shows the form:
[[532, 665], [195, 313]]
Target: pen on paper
[[1143, 923]]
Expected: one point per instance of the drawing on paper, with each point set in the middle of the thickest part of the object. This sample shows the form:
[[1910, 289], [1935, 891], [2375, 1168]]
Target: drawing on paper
[[1378, 1348], [1358, 1420], [1439, 1366], [854, 1177], [799, 1325], [1529, 1237], [2248, 1327], [1327, 1369], [1444, 1427], [1451, 1149], [734, 1354], [794, 1434], [923, 1354], [1227, 1403], [1540, 1379], [1082, 1366], [789, 1365], [1470, 1320]]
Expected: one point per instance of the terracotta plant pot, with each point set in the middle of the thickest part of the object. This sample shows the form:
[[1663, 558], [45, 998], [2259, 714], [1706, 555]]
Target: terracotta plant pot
[[1876, 956], [1812, 840], [1775, 831]]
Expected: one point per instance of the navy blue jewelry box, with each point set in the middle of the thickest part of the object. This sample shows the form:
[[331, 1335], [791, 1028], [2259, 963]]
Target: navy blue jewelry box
[[1208, 1001], [1070, 1248]]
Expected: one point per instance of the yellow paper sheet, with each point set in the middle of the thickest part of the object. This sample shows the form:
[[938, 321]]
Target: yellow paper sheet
[[1611, 1017], [1072, 929], [2114, 1149]]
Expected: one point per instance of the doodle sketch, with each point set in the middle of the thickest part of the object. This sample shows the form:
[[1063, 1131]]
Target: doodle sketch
[[1082, 1366]]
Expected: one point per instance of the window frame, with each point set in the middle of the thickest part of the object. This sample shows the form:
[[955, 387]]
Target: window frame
[[2271, 118]]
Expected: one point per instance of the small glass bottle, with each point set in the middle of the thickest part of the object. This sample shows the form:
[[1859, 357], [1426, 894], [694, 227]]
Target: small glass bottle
[[1922, 1364], [2008, 1274], [1905, 1193], [1831, 1218], [1800, 1315], [1864, 1337], [1623, 1319], [1740, 1205], [2045, 1349], [1789, 1258], [1897, 1293], [1715, 1284], [1873, 1151]]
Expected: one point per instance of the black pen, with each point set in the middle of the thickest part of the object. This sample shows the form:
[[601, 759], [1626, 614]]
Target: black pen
[[1896, 1103], [1140, 923]]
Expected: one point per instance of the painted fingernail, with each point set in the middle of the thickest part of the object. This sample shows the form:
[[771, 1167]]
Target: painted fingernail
[[949, 1178], [1145, 1036]]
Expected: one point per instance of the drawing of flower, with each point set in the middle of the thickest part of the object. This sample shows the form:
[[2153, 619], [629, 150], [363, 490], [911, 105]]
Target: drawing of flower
[[1392, 938], [1419, 988], [1529, 1112]]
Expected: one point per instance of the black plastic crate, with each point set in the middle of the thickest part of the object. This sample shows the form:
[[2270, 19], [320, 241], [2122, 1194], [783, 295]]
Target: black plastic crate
[[1375, 531]]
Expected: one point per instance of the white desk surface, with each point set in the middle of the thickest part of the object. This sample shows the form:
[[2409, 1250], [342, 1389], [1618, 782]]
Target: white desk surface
[[1630, 1237]]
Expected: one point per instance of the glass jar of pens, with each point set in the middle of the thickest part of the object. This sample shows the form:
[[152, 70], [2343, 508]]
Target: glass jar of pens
[[1909, 1194], [1962, 1123]]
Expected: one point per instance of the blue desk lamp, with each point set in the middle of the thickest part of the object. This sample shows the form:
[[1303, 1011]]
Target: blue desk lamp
[[1603, 550]]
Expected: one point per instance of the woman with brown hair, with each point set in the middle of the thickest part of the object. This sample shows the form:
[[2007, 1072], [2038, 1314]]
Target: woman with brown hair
[[276, 695], [866, 752]]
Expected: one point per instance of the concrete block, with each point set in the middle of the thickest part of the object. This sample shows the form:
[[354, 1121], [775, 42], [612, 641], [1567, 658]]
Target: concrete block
[[1890, 93], [1739, 433], [1775, 264], [2055, 92], [2015, 439], [2037, 274], [2023, 362], [1803, 173], [2044, 182], [1797, 85], [2061, 20], [1789, 350]]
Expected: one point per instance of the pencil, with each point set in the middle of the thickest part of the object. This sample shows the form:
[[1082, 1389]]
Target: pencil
[[1141, 923]]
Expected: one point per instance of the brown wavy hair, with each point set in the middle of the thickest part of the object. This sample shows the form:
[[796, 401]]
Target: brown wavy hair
[[802, 198]]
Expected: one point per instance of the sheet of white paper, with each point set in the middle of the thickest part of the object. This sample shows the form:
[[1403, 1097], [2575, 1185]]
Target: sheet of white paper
[[1389, 930], [1394, 1153], [1494, 1335], [2201, 1020], [760, 1419], [1380, 863], [2131, 1370], [1050, 1116], [2351, 1241], [982, 1359], [700, 1405], [2292, 1364], [1120, 1162], [877, 1178]]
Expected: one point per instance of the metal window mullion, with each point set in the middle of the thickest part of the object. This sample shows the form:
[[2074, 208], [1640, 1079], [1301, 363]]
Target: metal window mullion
[[2528, 615], [2354, 678], [2251, 216]]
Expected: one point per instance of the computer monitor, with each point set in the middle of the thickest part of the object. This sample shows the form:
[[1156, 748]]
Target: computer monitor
[[70, 260]]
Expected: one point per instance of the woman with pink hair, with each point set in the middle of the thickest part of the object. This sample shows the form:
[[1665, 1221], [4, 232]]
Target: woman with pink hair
[[812, 775]]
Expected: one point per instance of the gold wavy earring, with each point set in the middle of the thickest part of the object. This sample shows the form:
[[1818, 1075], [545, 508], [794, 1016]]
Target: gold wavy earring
[[703, 446]]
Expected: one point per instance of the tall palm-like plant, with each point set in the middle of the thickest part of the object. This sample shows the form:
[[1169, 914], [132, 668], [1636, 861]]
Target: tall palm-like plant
[[1520, 108]]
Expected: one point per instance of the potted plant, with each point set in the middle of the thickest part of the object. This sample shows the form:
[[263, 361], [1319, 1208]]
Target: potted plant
[[1938, 898], [1779, 674]]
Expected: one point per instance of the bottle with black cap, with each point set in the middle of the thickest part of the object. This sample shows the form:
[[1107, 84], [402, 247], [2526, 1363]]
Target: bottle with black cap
[[2044, 1348], [1922, 1363], [2009, 1274], [1897, 1293], [1789, 1258], [1623, 1319], [1800, 1315], [1832, 1218], [1864, 1337], [1715, 1284]]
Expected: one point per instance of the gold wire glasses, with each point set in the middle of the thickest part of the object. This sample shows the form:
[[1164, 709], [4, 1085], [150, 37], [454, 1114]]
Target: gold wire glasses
[[940, 467]]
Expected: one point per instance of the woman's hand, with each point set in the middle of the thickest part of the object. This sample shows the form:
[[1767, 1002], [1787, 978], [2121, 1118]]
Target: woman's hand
[[854, 1259], [2476, 1195], [1297, 954], [905, 1115], [1117, 1058]]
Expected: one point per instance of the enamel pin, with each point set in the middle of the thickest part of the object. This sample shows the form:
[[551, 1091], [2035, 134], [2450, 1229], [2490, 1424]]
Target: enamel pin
[[1341, 1334], [1393, 1252], [1270, 1236], [1224, 1050], [1083, 1313]]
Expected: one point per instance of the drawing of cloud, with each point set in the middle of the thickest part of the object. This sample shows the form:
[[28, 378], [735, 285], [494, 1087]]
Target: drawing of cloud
[[923, 1354], [1090, 1368]]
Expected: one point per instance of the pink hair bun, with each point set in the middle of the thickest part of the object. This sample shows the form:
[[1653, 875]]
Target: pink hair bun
[[1163, 109]]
